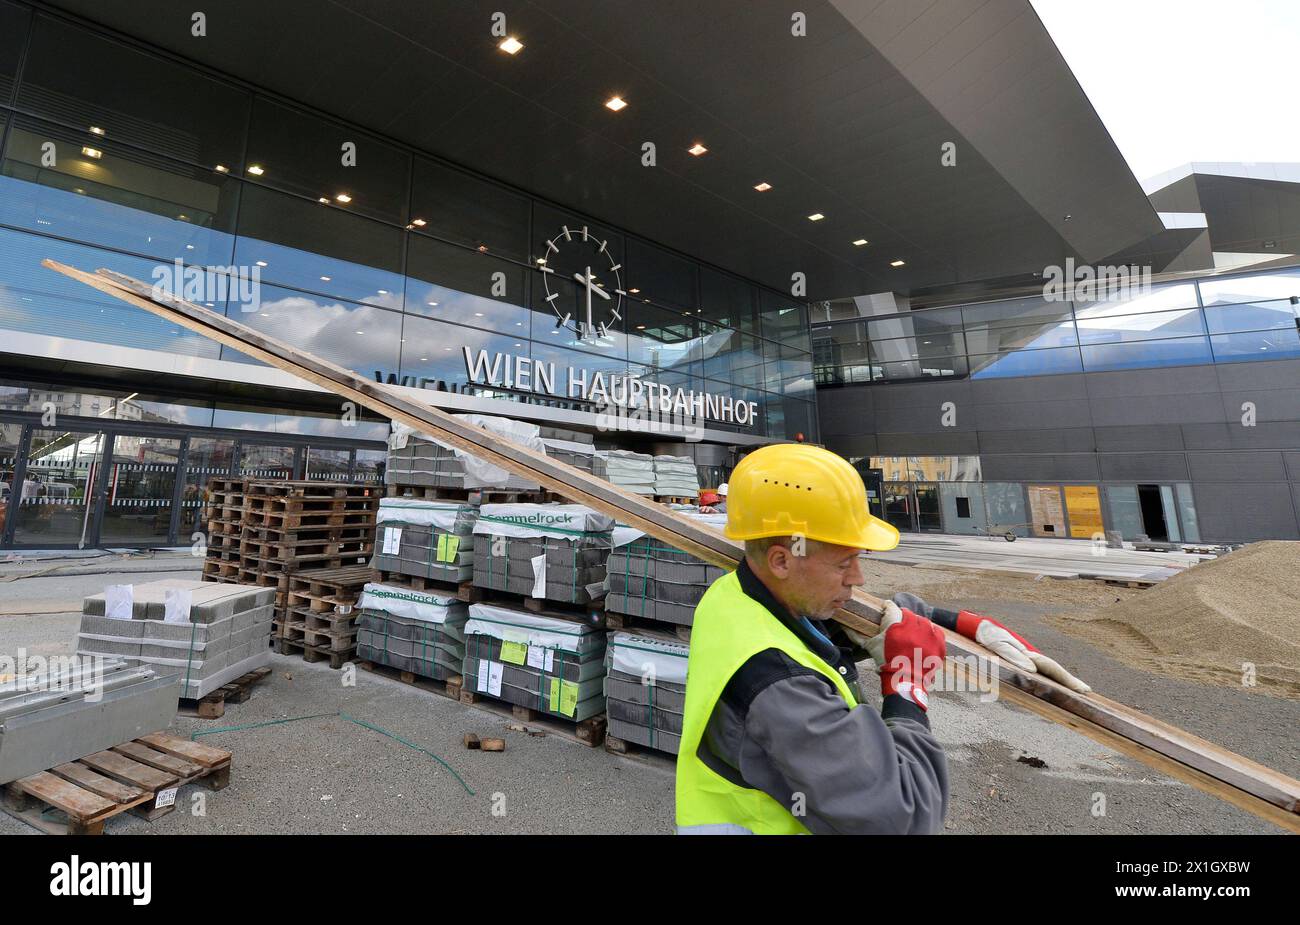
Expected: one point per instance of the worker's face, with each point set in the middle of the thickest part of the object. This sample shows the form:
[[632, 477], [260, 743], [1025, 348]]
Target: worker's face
[[817, 583]]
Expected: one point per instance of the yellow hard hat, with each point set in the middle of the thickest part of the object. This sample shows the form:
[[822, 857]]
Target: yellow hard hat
[[796, 489]]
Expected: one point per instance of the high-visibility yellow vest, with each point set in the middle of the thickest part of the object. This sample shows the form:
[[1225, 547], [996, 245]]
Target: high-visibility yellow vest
[[730, 627]]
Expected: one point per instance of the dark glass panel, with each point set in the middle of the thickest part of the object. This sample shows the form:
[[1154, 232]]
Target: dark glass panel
[[457, 207], [304, 154], [86, 79], [452, 284], [316, 247], [123, 199], [1184, 351]]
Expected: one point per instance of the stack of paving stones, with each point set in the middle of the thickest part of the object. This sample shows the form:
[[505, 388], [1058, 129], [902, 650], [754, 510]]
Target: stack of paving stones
[[551, 552], [415, 631], [569, 446], [418, 461], [651, 580], [626, 469], [645, 688], [676, 477], [223, 633], [544, 662], [427, 539]]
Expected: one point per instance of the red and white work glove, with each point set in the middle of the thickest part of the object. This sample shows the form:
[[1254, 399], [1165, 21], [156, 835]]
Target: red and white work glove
[[1002, 642], [908, 652]]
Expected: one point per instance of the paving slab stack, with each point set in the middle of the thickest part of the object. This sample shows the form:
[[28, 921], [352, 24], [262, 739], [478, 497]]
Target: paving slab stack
[[547, 662], [676, 476], [416, 631], [645, 688], [553, 552], [626, 469], [207, 634], [654, 581], [417, 460], [78, 707], [425, 538], [569, 446]]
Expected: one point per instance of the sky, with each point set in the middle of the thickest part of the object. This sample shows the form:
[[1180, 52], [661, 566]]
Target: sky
[[1176, 81]]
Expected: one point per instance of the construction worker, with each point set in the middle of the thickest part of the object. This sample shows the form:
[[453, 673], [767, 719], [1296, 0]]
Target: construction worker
[[773, 740]]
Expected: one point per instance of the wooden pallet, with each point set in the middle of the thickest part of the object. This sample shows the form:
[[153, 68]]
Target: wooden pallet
[[141, 776], [310, 653], [616, 746], [590, 613], [626, 621], [449, 688], [470, 495], [308, 489], [213, 706], [462, 590], [590, 731]]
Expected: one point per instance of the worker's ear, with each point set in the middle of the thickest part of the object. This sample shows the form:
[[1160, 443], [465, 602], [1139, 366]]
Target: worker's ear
[[779, 560]]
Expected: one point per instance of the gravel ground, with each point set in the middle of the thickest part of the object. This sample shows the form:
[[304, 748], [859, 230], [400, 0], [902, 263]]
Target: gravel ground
[[329, 775]]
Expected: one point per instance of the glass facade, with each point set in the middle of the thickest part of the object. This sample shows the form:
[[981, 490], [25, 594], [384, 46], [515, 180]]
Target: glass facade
[[368, 253], [1213, 320]]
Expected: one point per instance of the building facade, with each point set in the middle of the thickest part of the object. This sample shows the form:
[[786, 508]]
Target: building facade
[[1171, 411], [473, 294]]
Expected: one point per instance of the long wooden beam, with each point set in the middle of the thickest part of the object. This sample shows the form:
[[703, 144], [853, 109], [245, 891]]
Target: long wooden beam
[[1247, 784]]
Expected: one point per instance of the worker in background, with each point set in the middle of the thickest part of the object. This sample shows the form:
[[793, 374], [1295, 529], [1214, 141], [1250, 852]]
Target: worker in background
[[714, 502], [773, 740]]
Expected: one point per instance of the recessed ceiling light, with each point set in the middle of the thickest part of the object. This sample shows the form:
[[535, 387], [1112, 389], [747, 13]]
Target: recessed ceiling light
[[478, 314], [859, 242], [261, 263], [255, 170], [183, 217], [634, 290], [697, 149], [343, 198], [221, 168], [424, 359], [510, 45], [482, 248], [418, 222], [432, 304], [446, 348], [616, 103], [324, 279], [896, 263], [323, 201], [383, 292], [96, 130], [361, 332], [816, 217], [93, 153], [640, 327], [763, 187]]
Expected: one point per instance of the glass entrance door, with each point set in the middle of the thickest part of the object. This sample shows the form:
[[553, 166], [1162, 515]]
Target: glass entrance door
[[55, 500], [139, 496], [899, 507], [928, 517]]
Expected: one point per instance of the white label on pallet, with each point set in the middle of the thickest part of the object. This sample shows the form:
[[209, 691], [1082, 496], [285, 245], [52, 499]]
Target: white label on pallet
[[539, 575], [483, 674], [118, 600], [536, 657], [166, 797], [392, 540], [176, 605], [550, 660], [494, 678]]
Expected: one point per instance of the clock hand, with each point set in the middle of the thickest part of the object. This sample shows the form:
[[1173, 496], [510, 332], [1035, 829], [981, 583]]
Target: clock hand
[[590, 285]]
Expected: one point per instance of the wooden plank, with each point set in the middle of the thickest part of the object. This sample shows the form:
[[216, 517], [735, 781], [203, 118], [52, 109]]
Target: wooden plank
[[87, 779], [1265, 792], [79, 804], [168, 764], [122, 768], [195, 752]]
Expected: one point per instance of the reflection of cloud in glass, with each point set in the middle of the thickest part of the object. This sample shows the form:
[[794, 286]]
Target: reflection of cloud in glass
[[330, 331]]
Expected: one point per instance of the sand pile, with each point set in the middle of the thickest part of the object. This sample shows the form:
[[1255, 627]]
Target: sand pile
[[1205, 623]]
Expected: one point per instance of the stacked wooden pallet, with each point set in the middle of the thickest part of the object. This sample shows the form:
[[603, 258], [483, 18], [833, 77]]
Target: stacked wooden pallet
[[319, 619], [141, 776], [223, 518]]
